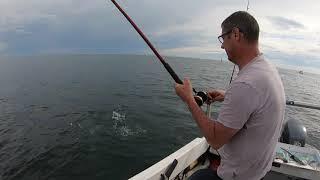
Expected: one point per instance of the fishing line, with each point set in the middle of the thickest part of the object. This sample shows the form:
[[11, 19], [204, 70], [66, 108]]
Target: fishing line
[[234, 66], [288, 102]]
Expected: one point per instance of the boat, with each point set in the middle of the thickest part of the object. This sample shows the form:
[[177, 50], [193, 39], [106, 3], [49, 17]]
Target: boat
[[191, 157], [292, 161]]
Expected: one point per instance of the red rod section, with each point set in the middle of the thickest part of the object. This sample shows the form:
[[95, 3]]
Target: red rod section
[[166, 65]]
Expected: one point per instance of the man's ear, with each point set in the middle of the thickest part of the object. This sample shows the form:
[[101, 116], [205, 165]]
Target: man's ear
[[236, 33]]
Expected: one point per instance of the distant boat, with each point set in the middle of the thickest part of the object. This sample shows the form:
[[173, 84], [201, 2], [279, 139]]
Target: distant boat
[[301, 72]]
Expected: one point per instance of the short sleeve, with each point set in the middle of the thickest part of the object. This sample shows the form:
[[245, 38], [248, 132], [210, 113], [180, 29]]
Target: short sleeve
[[240, 101]]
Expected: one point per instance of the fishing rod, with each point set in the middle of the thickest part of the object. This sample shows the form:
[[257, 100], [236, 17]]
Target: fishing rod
[[292, 156], [200, 96], [301, 104]]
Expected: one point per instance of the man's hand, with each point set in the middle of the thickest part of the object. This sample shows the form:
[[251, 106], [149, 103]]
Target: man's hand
[[184, 91], [216, 95]]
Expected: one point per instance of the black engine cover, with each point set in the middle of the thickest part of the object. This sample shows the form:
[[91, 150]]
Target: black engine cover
[[294, 133]]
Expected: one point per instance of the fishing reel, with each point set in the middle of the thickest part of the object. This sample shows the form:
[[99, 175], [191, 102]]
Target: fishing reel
[[201, 97]]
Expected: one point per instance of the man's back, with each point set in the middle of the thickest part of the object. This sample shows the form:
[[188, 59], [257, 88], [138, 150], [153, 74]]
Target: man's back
[[254, 104]]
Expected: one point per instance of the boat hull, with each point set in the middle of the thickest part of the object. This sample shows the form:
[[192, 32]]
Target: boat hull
[[188, 155]]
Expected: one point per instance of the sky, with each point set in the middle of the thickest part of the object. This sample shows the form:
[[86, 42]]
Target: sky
[[289, 29]]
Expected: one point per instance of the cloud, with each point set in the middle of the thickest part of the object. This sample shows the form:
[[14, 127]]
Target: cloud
[[3, 46], [285, 24], [180, 28], [298, 60]]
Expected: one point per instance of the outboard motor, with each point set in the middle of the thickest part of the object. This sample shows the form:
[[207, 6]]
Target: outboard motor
[[294, 133]]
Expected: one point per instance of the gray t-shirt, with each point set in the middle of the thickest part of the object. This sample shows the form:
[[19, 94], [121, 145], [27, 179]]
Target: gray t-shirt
[[254, 104]]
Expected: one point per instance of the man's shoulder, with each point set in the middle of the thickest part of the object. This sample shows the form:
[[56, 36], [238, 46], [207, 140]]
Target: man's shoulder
[[259, 71]]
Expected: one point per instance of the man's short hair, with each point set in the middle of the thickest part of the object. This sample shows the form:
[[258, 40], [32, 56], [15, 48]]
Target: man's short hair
[[245, 22]]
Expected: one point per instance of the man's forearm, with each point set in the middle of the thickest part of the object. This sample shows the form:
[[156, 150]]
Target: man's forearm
[[206, 126]]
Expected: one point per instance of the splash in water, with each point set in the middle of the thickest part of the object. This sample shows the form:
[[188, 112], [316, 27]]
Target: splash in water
[[120, 125]]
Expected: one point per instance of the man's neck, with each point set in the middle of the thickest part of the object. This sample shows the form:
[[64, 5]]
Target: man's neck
[[248, 54]]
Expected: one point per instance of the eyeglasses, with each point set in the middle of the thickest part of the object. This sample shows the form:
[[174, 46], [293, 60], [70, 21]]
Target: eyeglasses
[[221, 37]]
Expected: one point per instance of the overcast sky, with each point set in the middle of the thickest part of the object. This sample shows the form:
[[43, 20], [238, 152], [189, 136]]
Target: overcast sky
[[289, 28]]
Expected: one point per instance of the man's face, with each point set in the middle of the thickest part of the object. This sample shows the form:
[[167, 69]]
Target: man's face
[[230, 42], [226, 44]]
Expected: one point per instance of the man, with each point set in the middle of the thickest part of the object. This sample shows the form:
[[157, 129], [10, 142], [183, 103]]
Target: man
[[250, 120]]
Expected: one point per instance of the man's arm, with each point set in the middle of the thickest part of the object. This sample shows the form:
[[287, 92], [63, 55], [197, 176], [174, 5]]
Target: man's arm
[[216, 133]]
